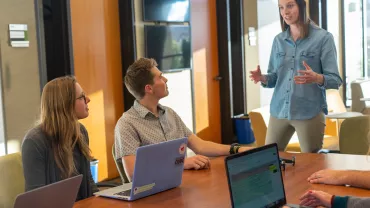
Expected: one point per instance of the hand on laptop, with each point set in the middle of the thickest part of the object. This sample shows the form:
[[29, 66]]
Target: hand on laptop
[[327, 176], [197, 162], [316, 198]]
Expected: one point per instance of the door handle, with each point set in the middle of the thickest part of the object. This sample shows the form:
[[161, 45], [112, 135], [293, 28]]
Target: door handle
[[218, 78]]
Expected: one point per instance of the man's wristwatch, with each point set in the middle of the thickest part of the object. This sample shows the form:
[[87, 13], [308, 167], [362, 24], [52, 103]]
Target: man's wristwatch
[[234, 148]]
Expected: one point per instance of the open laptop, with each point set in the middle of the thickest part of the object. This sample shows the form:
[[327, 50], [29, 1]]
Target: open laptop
[[158, 167], [255, 178], [61, 194]]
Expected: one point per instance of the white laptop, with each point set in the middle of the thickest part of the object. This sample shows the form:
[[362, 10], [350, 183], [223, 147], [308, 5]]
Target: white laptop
[[158, 167]]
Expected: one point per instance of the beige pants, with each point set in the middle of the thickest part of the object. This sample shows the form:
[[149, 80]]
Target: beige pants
[[310, 132]]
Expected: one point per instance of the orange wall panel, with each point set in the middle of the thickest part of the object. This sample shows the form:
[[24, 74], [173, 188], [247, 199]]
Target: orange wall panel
[[97, 62], [205, 68]]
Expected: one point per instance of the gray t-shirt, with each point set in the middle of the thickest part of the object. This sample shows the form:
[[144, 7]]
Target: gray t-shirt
[[139, 127]]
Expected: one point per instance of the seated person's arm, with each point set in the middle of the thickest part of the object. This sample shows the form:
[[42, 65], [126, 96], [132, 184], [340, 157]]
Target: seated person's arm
[[210, 149], [342, 177], [202, 147], [34, 164], [129, 164], [357, 178], [207, 148]]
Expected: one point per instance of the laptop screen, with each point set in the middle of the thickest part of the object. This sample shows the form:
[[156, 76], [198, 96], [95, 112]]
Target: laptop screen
[[255, 179]]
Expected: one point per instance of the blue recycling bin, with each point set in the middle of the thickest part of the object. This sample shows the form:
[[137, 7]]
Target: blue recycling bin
[[94, 169], [243, 129]]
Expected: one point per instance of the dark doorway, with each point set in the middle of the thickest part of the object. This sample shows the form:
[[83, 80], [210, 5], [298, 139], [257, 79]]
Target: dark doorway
[[231, 65], [58, 49], [128, 50]]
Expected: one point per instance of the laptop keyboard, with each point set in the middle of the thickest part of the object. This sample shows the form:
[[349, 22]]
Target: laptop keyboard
[[124, 193]]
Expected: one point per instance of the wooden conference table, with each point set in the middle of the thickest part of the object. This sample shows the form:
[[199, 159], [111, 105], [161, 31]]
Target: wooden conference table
[[208, 188]]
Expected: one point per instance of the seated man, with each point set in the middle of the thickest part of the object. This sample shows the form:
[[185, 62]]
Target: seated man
[[148, 122], [354, 178]]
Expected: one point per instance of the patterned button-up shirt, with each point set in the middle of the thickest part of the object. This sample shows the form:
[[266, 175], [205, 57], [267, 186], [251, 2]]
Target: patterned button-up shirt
[[139, 127]]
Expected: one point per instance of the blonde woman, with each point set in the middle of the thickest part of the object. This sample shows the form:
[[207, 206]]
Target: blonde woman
[[58, 147]]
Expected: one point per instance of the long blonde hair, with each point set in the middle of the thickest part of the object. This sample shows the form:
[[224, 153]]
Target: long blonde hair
[[60, 123]]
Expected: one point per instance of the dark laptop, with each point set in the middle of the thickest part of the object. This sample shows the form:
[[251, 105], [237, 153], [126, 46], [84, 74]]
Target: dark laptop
[[61, 194], [255, 178]]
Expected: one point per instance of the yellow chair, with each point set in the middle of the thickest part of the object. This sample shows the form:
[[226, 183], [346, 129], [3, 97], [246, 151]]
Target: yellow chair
[[260, 129], [11, 179], [119, 165]]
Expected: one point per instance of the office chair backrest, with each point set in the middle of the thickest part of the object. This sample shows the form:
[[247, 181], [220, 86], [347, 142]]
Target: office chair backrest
[[356, 95], [353, 136], [119, 166], [11, 179]]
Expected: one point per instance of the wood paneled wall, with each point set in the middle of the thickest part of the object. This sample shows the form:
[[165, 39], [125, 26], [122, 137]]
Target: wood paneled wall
[[97, 62], [205, 69]]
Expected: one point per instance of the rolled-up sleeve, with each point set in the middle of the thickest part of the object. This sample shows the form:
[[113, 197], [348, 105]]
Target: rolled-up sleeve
[[271, 76], [332, 79]]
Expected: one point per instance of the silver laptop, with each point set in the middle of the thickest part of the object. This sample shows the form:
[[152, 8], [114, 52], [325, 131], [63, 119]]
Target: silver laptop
[[61, 194], [158, 167], [255, 179]]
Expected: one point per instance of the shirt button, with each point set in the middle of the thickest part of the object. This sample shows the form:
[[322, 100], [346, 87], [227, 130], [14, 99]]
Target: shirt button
[[287, 91], [290, 79], [286, 102], [293, 56]]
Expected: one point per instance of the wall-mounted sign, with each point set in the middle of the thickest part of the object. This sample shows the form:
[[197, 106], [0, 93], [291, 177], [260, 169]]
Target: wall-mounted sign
[[18, 34]]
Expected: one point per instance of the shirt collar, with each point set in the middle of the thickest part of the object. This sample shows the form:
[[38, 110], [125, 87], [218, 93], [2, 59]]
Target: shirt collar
[[143, 111], [287, 31]]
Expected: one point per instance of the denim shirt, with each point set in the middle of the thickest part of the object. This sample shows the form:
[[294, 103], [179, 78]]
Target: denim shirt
[[301, 101]]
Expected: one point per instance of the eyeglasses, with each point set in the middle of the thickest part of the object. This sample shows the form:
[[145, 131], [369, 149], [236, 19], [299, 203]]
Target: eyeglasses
[[83, 96]]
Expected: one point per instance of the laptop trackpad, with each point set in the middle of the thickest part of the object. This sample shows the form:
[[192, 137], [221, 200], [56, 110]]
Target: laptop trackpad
[[124, 193]]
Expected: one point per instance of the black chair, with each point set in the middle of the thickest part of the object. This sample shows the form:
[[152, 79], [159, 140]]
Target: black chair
[[119, 166]]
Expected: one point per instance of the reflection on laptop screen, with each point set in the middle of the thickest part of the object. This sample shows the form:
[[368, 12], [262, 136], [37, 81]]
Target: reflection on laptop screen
[[255, 179]]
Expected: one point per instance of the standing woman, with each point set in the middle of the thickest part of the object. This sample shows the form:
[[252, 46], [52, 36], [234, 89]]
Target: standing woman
[[58, 148], [303, 64]]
